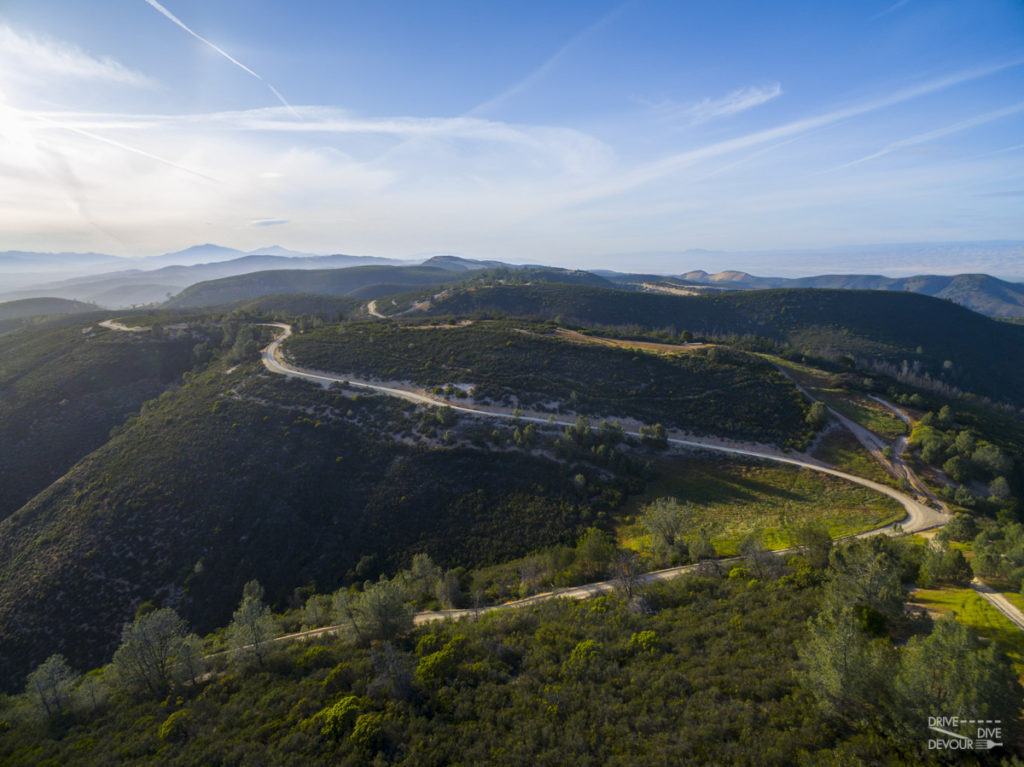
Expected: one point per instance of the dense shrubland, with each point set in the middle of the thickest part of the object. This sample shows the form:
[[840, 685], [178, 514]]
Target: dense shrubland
[[806, 659], [712, 391]]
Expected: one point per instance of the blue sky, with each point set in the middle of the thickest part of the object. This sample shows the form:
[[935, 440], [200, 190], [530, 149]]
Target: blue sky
[[576, 133]]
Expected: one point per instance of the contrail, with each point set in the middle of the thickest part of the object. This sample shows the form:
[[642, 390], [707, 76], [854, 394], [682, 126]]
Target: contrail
[[223, 53], [119, 145]]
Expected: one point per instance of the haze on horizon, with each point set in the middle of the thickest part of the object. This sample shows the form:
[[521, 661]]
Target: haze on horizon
[[601, 134]]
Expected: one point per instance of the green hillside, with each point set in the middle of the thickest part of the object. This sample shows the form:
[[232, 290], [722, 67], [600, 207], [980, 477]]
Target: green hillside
[[32, 307], [235, 476], [367, 281], [877, 330], [64, 386], [526, 364]]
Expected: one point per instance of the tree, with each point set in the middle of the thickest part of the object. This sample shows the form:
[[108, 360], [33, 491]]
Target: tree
[[965, 442], [866, 575], [814, 542], [48, 688], [317, 611], [949, 671], [999, 488], [667, 521], [191, 660], [817, 416], [595, 550], [960, 528], [654, 436], [252, 625], [381, 611], [845, 670], [943, 565], [762, 563], [343, 610], [421, 578], [958, 468], [149, 646], [992, 460]]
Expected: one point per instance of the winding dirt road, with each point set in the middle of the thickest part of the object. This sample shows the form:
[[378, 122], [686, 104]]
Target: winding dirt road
[[919, 516]]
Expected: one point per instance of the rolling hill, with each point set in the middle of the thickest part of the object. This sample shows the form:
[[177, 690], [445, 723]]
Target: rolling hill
[[35, 307], [980, 292], [243, 474], [927, 340], [333, 282]]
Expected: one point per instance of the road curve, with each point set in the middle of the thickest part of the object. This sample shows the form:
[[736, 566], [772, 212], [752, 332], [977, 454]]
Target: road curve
[[919, 516]]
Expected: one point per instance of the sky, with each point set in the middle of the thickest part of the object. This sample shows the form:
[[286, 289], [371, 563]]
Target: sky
[[599, 134]]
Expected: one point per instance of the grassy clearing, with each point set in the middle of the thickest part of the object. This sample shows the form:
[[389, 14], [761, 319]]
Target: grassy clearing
[[735, 498], [972, 610], [842, 450], [864, 411], [623, 343], [803, 374]]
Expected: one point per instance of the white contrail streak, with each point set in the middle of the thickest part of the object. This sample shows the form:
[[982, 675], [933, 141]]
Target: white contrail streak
[[119, 145], [222, 52]]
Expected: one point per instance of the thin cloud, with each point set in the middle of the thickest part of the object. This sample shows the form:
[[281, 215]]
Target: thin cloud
[[222, 52], [268, 222], [541, 72], [672, 163], [34, 57], [939, 133], [117, 144], [892, 8], [708, 109]]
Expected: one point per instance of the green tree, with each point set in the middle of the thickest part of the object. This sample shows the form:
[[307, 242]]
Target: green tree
[[595, 551], [960, 528], [817, 416], [150, 644], [949, 672], [815, 542], [381, 611], [667, 521], [48, 688], [865, 574], [845, 670], [992, 460], [252, 626], [999, 489]]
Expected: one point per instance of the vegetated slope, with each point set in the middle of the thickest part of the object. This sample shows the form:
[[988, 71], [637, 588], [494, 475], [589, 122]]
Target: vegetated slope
[[710, 676], [233, 477], [329, 308], [33, 307], [62, 390], [334, 282], [981, 292], [706, 391], [876, 328]]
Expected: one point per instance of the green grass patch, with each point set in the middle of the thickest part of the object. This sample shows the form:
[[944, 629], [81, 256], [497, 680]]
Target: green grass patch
[[863, 411], [842, 450], [973, 610], [735, 498]]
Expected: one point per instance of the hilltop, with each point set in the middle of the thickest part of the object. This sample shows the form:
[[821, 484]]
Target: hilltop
[[921, 339]]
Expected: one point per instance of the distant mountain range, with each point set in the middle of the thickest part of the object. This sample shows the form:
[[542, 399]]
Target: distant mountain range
[[132, 287], [120, 282], [980, 292]]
